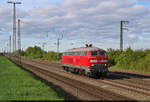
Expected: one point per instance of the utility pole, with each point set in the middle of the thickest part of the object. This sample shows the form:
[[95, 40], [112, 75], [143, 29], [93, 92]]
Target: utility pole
[[43, 45], [19, 42], [14, 23], [7, 49], [3, 51], [10, 45], [121, 33], [58, 46]]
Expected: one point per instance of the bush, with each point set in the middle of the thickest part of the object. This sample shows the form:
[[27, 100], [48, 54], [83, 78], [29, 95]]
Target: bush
[[51, 56], [112, 56], [37, 52], [144, 63], [129, 59], [125, 58], [34, 52]]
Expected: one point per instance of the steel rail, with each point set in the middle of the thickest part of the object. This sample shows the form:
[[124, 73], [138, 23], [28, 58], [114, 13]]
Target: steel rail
[[87, 88]]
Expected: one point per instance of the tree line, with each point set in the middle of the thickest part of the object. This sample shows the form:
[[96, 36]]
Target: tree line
[[37, 53], [137, 60], [128, 59]]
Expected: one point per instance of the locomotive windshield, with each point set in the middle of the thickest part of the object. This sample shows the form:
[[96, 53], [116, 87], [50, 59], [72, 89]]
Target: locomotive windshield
[[102, 53], [98, 53], [94, 53]]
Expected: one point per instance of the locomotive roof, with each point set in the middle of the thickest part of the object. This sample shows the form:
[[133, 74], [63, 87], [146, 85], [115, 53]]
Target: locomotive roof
[[84, 49]]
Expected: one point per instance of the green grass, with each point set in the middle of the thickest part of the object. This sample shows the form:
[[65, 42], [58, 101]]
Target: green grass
[[17, 84]]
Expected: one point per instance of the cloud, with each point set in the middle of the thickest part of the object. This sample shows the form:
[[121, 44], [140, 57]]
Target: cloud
[[97, 21], [90, 19], [7, 17], [131, 36], [144, 0]]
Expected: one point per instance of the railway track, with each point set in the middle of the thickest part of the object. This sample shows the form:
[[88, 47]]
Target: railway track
[[129, 87], [82, 90], [133, 74], [135, 78], [143, 93]]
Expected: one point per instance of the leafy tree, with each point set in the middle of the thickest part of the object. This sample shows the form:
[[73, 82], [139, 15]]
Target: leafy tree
[[125, 58], [34, 52], [51, 56], [112, 56]]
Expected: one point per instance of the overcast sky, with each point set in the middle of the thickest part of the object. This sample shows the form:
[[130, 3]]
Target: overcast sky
[[80, 22]]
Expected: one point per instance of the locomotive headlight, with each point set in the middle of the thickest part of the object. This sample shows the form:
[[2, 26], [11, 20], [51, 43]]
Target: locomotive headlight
[[93, 61], [104, 60], [92, 65]]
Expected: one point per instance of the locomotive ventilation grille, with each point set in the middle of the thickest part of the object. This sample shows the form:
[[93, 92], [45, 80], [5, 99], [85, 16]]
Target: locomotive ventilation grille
[[99, 68]]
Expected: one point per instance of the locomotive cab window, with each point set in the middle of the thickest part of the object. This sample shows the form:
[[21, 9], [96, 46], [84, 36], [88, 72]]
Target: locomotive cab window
[[79, 53], [94, 53], [84, 53], [73, 53], [69, 53], [102, 53], [64, 54]]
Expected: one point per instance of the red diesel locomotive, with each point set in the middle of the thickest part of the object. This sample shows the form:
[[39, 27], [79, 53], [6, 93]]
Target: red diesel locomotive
[[91, 61]]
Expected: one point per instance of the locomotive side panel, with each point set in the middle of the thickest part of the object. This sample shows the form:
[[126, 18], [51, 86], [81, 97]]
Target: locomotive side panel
[[67, 60], [85, 60], [77, 60]]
